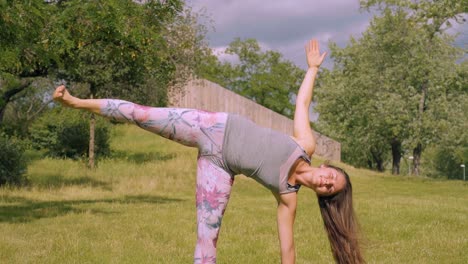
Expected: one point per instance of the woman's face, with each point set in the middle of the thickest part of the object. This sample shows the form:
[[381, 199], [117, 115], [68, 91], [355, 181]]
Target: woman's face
[[329, 181]]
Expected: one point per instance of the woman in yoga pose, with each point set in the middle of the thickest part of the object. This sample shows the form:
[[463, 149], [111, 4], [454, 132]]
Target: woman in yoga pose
[[230, 144]]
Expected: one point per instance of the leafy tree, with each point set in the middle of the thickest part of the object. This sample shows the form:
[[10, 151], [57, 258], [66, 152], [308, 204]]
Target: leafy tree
[[24, 47], [112, 42], [263, 76], [432, 18], [186, 40], [452, 150], [113, 46], [372, 99], [118, 48], [26, 106], [342, 99]]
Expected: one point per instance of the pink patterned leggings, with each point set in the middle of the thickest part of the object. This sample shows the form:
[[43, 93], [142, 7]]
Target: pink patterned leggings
[[193, 128]]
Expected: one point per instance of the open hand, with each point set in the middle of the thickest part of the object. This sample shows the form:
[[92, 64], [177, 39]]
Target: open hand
[[314, 58]]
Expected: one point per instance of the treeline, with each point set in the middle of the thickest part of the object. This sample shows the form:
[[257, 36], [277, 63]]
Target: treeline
[[399, 90]]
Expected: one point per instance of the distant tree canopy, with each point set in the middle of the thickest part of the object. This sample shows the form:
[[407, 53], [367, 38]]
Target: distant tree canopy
[[392, 90], [263, 76]]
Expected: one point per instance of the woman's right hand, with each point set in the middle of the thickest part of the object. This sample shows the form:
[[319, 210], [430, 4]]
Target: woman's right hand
[[314, 58], [62, 96]]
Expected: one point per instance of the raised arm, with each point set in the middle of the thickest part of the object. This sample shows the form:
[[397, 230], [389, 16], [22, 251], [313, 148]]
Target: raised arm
[[302, 130]]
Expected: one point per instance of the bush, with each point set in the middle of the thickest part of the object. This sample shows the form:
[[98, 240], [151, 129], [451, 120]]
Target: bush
[[12, 161], [65, 133], [448, 161], [445, 161]]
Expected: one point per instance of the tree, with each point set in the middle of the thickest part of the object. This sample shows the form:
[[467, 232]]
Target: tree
[[432, 18], [118, 48], [186, 39], [113, 42], [377, 81], [263, 76], [452, 150], [347, 101], [24, 51], [27, 105], [113, 46]]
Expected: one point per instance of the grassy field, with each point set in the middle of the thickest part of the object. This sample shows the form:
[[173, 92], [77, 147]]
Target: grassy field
[[139, 207]]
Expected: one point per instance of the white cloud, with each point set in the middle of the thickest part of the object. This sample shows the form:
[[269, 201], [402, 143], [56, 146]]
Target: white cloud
[[224, 57]]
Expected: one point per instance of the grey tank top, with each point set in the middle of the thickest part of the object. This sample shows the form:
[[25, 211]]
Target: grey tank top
[[261, 153]]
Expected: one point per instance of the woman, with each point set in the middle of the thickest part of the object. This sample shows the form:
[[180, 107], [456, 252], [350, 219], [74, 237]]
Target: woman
[[230, 144]]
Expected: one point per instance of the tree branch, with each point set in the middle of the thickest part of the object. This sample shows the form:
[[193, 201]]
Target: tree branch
[[12, 92]]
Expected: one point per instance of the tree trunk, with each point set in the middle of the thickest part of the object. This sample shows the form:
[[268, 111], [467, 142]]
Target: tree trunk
[[2, 112], [378, 161], [380, 166], [396, 156], [417, 159], [92, 126], [419, 148]]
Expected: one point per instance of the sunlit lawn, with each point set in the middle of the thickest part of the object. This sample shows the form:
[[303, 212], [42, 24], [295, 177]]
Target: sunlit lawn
[[139, 207]]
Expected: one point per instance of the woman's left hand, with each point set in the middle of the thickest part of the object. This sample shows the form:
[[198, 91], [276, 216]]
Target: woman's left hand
[[314, 58]]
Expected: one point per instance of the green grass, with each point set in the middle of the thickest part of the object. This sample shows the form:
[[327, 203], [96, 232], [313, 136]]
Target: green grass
[[139, 207]]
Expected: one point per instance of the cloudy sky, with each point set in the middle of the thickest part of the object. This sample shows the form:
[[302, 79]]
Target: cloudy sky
[[286, 25]]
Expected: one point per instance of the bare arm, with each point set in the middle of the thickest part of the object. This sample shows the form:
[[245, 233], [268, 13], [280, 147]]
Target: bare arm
[[286, 214], [302, 130]]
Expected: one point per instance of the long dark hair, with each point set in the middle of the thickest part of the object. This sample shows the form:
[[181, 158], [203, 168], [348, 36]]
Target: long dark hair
[[341, 223]]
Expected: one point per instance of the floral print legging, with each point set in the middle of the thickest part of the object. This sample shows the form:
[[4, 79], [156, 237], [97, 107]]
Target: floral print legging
[[193, 128]]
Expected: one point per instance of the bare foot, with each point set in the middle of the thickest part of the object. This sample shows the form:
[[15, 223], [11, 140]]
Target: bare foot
[[62, 96]]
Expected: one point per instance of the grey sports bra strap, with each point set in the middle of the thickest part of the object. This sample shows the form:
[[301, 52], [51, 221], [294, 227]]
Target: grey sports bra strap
[[306, 158]]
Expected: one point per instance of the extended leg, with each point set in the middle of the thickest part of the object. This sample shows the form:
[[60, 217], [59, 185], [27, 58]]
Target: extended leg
[[213, 190], [189, 127]]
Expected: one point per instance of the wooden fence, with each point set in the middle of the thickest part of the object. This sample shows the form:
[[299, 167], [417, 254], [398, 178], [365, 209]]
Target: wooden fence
[[205, 95]]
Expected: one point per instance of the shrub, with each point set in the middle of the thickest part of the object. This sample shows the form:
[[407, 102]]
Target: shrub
[[448, 161], [12, 161], [65, 133], [445, 161]]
